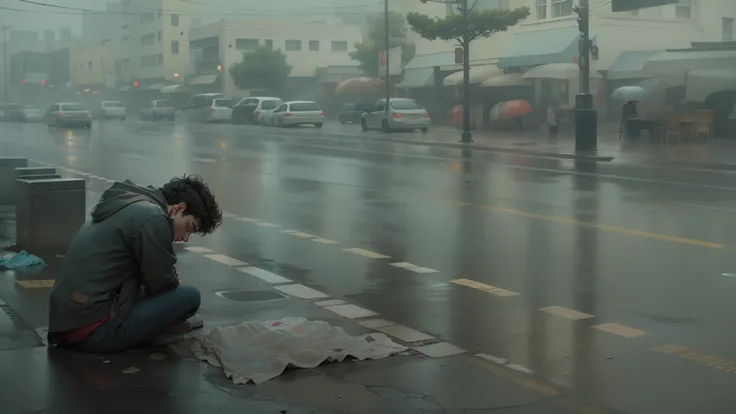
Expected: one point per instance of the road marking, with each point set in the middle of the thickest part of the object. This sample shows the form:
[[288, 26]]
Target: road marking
[[613, 229], [484, 287], [225, 214], [300, 234], [36, 284], [440, 350], [225, 260], [412, 267], [713, 361], [404, 333], [350, 311], [204, 160], [324, 241], [566, 313], [376, 323], [620, 330], [197, 249], [519, 368], [330, 302], [301, 292], [265, 276], [265, 224], [247, 220], [366, 253], [495, 360]]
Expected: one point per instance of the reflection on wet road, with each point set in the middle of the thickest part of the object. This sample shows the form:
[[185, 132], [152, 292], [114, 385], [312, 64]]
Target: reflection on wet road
[[602, 279]]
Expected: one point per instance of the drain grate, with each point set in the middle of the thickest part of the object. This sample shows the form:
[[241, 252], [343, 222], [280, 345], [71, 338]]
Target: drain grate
[[250, 295]]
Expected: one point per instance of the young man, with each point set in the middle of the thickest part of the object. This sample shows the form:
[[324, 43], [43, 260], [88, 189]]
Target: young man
[[117, 287]]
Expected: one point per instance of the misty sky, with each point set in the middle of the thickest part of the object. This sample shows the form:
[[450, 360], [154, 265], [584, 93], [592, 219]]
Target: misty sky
[[48, 18]]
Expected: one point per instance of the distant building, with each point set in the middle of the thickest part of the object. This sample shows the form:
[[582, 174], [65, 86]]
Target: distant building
[[65, 34], [98, 27], [49, 36]]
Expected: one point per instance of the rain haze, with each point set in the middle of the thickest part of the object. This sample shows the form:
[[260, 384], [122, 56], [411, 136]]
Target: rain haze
[[461, 205]]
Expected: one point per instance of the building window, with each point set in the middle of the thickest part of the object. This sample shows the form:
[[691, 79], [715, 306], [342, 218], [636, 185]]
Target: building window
[[158, 37], [293, 45], [339, 46], [246, 44], [89, 64], [175, 20], [160, 58], [541, 9], [268, 43], [313, 46], [561, 8], [728, 23], [148, 39], [174, 47], [684, 9]]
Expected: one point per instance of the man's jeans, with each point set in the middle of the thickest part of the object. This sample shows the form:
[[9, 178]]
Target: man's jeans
[[149, 317]]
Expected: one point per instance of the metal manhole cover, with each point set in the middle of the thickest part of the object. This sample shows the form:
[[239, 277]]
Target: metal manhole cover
[[250, 295]]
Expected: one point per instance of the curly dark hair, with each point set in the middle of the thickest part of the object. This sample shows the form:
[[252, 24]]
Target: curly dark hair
[[200, 201]]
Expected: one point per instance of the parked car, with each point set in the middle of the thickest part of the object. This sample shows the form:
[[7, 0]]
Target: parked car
[[264, 110], [403, 114], [353, 112], [199, 108], [112, 110], [30, 113], [15, 112], [297, 113], [160, 109], [68, 114], [245, 111]]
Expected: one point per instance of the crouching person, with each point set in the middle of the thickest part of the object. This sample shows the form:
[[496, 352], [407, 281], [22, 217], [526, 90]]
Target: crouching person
[[117, 287]]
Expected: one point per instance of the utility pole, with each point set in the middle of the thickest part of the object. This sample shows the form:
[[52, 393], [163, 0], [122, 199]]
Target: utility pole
[[586, 117], [5, 67], [387, 33], [466, 137]]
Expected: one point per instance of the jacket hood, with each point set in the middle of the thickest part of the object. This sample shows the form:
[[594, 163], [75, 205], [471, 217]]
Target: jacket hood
[[123, 194]]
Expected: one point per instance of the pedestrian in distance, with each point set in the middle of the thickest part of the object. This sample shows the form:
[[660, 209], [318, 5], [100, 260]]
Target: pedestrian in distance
[[552, 122], [118, 287]]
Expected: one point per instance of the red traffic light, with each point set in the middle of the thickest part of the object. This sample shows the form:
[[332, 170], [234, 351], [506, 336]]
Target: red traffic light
[[23, 81], [135, 84], [43, 82]]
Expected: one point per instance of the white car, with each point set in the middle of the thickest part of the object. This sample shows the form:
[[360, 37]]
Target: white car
[[160, 109], [297, 113], [403, 114], [264, 110], [221, 110], [245, 111], [113, 110]]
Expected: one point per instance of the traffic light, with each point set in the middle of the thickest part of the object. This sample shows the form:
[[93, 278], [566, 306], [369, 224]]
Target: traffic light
[[68, 84], [583, 19], [23, 82], [458, 55], [135, 84], [43, 82], [628, 5]]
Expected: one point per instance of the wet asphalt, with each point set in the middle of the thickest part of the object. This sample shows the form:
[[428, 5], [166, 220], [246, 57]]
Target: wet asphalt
[[633, 257]]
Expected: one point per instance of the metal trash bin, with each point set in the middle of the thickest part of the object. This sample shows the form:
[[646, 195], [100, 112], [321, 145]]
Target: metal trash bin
[[49, 213], [8, 175]]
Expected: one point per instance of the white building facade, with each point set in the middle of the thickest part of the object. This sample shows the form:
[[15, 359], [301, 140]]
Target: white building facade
[[216, 47]]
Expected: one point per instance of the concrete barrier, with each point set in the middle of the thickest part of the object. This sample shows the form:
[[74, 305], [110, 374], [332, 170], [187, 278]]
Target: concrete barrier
[[49, 213], [26, 171], [8, 175]]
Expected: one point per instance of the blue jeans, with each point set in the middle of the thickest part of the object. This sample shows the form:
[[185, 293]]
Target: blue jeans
[[149, 317]]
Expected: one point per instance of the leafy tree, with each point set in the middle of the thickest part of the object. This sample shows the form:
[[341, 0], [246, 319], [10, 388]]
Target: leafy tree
[[480, 24], [374, 42], [262, 68]]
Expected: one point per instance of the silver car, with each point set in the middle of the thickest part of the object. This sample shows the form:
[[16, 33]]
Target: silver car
[[68, 114], [297, 113], [403, 114], [159, 109], [199, 108]]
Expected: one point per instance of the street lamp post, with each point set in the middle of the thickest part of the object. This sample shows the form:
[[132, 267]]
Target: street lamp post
[[387, 33], [5, 67], [467, 137], [586, 117]]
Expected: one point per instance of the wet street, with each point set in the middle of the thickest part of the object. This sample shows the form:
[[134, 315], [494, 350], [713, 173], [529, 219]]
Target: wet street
[[525, 284]]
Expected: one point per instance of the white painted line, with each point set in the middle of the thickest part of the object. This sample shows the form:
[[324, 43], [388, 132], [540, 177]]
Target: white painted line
[[496, 360], [351, 311], [620, 330], [440, 350], [324, 241], [264, 275], [290, 231], [197, 249], [225, 214], [247, 220], [302, 235], [376, 323], [405, 334], [566, 313], [330, 302], [366, 253], [265, 224], [412, 267], [204, 160], [484, 287], [301, 292], [225, 260], [519, 368]]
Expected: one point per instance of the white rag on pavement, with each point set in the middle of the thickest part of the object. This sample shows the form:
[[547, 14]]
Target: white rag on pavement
[[260, 351]]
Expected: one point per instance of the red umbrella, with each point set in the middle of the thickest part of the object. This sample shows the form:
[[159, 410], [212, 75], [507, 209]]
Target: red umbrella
[[515, 109], [357, 85]]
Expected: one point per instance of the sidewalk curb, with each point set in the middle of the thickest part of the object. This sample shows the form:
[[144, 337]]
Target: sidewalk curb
[[704, 165], [488, 148]]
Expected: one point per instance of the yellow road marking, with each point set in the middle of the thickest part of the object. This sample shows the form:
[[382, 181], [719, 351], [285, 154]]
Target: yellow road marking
[[713, 361], [613, 229], [36, 284], [566, 313], [620, 330]]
